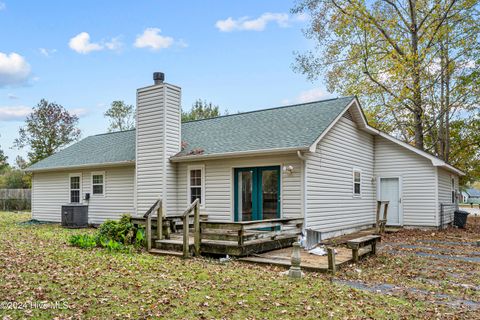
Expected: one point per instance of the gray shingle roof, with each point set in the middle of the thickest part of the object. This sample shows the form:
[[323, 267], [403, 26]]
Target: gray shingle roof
[[284, 127], [99, 149], [296, 126], [473, 192]]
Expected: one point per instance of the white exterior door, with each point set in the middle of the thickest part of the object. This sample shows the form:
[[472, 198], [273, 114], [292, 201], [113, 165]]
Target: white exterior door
[[390, 191]]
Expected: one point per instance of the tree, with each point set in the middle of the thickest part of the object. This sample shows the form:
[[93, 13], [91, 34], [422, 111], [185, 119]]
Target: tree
[[47, 129], [397, 55], [201, 110], [15, 179], [3, 161], [20, 162], [121, 116], [465, 137]]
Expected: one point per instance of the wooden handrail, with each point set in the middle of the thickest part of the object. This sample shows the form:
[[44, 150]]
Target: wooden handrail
[[196, 229], [152, 208], [246, 231], [157, 206], [380, 223]]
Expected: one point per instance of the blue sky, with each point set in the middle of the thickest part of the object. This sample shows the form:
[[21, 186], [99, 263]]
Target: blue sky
[[85, 54]]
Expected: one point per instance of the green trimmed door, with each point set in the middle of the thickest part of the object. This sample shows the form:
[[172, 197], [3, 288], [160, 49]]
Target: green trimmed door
[[257, 193]]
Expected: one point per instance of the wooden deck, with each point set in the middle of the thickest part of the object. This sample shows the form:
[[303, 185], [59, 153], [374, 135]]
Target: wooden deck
[[309, 262], [222, 247], [221, 238]]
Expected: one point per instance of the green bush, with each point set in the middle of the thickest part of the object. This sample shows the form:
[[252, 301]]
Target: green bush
[[113, 235], [84, 241], [121, 231]]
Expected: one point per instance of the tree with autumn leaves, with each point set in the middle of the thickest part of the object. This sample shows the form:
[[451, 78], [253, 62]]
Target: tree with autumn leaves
[[413, 64]]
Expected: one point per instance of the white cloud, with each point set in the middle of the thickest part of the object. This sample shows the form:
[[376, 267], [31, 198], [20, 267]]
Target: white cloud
[[79, 112], [81, 43], [115, 44], [18, 113], [12, 96], [3, 6], [14, 69], [310, 95], [14, 113], [257, 24], [151, 38], [47, 52]]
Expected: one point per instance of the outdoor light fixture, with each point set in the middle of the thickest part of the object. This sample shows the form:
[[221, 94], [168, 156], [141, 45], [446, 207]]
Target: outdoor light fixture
[[288, 169]]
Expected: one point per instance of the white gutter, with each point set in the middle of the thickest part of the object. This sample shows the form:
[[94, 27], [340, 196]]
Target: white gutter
[[300, 155], [235, 154]]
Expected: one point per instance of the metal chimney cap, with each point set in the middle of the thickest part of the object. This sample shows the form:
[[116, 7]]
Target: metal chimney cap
[[158, 77]]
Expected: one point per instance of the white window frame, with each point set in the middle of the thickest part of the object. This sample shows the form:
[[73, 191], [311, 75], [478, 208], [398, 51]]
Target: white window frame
[[202, 186], [98, 173], [70, 176], [356, 195], [453, 193]]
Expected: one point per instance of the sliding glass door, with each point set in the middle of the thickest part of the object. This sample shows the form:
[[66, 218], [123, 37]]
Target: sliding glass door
[[257, 193]]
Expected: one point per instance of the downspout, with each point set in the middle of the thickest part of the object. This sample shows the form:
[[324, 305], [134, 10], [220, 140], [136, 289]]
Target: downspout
[[300, 155], [304, 190]]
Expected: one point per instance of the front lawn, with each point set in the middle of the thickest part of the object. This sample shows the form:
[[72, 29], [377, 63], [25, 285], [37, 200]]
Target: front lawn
[[38, 267]]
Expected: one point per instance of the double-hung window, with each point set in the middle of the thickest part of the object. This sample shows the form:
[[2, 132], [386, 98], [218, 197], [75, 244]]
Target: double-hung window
[[98, 183], [75, 188], [453, 190], [196, 183], [357, 183]]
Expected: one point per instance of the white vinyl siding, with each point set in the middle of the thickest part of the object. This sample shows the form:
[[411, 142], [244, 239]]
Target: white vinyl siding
[[158, 138], [219, 187], [332, 208], [445, 192], [418, 181], [51, 190]]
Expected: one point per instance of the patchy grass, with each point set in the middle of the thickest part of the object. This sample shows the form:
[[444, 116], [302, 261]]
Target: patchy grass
[[399, 264], [37, 265]]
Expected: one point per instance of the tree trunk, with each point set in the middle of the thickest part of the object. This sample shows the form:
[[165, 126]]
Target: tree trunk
[[417, 93], [441, 116]]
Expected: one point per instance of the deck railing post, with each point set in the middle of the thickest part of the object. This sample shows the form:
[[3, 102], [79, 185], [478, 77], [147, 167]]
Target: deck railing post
[[197, 235], [186, 239], [149, 233], [377, 226], [241, 239], [160, 221], [332, 267]]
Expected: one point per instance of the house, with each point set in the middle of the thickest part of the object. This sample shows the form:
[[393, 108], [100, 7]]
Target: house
[[471, 196], [319, 161]]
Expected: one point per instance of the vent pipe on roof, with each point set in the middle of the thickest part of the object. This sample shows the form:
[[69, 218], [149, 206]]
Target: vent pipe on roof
[[158, 77]]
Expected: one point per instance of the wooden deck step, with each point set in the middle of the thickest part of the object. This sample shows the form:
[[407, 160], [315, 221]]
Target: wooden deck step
[[166, 252], [173, 244]]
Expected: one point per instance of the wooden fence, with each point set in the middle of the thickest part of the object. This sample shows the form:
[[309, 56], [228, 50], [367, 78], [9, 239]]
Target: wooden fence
[[15, 199]]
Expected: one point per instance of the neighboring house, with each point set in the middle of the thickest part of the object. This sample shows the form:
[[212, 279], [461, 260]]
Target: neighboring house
[[471, 196], [319, 160]]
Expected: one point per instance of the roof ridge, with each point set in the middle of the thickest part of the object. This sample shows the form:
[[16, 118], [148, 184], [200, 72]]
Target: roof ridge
[[114, 132], [272, 108]]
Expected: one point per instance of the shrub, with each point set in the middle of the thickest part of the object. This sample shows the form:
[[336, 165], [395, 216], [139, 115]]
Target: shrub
[[84, 241], [121, 231], [112, 235]]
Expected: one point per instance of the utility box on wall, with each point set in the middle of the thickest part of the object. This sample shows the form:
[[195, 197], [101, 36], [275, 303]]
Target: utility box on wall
[[75, 216]]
